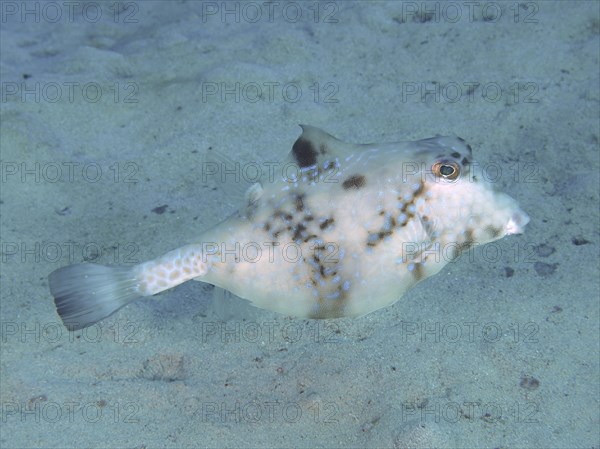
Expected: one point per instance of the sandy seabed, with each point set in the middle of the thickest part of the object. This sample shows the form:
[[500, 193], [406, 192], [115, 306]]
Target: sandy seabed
[[108, 113]]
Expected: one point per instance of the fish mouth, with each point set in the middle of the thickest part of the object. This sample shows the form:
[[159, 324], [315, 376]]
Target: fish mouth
[[517, 222]]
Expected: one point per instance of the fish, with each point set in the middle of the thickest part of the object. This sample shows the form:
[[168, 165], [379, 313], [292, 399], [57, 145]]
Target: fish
[[344, 230]]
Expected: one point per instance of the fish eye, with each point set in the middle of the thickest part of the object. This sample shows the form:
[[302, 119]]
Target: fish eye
[[446, 169]]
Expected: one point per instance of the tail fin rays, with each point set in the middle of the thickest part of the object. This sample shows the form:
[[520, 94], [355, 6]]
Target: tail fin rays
[[87, 293]]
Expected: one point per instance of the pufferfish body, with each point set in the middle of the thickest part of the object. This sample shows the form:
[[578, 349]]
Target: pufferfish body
[[340, 231]]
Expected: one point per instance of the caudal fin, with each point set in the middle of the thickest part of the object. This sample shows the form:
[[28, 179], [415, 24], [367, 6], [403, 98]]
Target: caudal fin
[[87, 293]]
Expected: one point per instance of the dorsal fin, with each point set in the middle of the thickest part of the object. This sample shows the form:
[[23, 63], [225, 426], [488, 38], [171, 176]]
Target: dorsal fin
[[314, 147]]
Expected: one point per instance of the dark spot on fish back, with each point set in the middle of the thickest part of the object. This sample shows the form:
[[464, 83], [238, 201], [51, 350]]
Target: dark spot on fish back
[[326, 223], [298, 231], [383, 234], [304, 153], [354, 182], [299, 202]]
